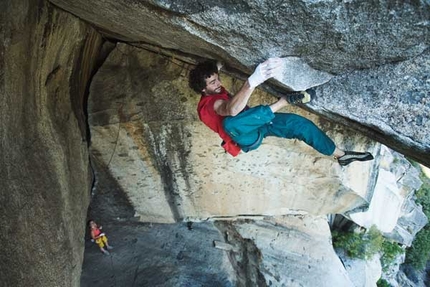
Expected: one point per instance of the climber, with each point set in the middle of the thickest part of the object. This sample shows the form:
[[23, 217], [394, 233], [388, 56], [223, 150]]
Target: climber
[[99, 237], [244, 128]]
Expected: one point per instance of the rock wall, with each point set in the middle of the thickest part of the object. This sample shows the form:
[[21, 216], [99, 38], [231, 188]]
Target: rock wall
[[389, 104], [45, 172], [146, 131], [330, 35], [147, 137], [144, 128], [159, 255], [295, 251], [393, 194]]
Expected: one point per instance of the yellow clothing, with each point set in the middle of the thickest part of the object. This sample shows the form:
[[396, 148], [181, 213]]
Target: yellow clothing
[[101, 241]]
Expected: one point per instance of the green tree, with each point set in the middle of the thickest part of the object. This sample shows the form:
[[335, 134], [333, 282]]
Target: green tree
[[390, 250], [382, 283], [361, 245], [419, 253], [365, 245]]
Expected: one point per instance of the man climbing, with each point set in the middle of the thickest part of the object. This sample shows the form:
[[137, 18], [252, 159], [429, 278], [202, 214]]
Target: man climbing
[[243, 128]]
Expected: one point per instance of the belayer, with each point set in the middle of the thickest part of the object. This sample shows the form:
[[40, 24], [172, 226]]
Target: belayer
[[99, 237]]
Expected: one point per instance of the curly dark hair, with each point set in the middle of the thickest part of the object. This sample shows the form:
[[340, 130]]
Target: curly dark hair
[[198, 76]]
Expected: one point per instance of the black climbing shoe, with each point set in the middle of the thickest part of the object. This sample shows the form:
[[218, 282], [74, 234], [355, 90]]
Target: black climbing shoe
[[351, 156], [302, 97]]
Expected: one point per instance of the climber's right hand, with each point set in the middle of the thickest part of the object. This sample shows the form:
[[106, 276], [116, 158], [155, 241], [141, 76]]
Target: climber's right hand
[[265, 71]]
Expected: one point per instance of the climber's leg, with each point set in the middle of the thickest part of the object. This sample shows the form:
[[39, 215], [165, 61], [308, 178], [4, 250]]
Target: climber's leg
[[244, 127], [292, 126]]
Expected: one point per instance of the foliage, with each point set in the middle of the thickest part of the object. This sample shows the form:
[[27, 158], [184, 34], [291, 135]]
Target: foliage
[[359, 245], [419, 253], [390, 250], [423, 195], [382, 283], [366, 245]]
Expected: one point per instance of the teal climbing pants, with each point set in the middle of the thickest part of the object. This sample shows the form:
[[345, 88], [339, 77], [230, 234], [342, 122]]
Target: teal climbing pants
[[250, 127]]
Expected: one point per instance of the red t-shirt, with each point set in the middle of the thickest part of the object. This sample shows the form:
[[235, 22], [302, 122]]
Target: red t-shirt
[[211, 119], [95, 232]]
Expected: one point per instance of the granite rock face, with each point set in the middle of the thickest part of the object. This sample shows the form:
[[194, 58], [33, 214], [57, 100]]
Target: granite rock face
[[363, 273], [389, 104], [145, 130], [393, 194], [257, 251], [292, 250], [159, 255], [296, 251], [45, 171], [330, 35], [142, 144]]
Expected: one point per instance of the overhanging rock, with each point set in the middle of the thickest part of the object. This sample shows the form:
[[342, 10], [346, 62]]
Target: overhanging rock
[[299, 76], [390, 103], [334, 37], [330, 35], [145, 129]]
